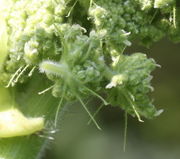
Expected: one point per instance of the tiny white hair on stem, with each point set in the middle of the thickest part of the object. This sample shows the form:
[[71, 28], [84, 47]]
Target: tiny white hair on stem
[[50, 67], [46, 90], [15, 77]]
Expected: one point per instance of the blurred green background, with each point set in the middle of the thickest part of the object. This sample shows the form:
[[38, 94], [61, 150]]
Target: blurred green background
[[154, 139]]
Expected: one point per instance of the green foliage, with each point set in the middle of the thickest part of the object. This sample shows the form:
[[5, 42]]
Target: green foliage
[[131, 83], [82, 51], [81, 63], [31, 105], [163, 3]]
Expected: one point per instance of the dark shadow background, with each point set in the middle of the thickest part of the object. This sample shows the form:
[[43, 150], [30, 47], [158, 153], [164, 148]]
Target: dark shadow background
[[154, 139]]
